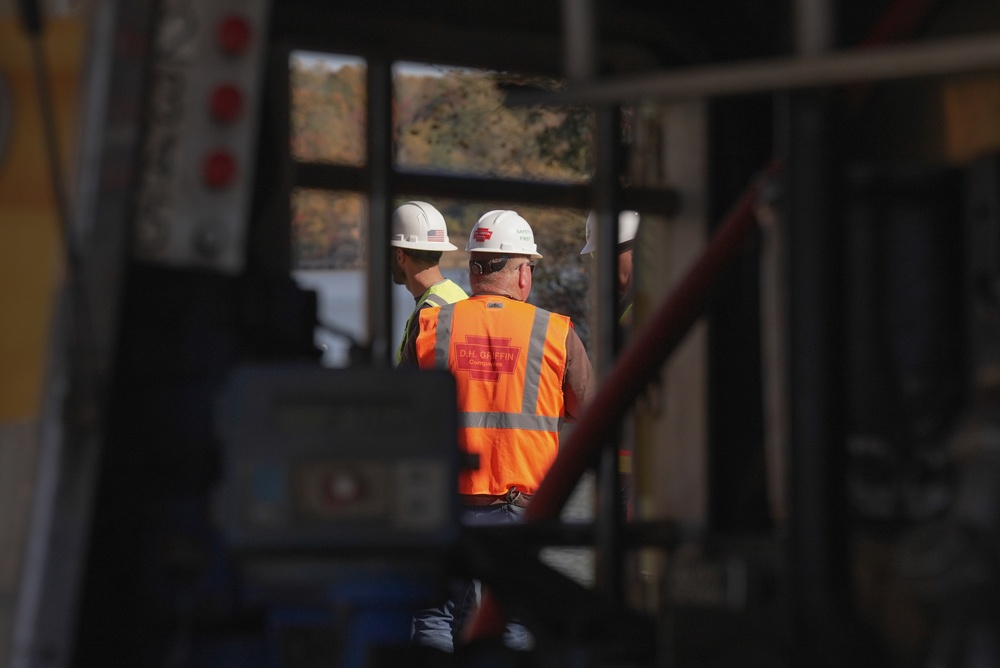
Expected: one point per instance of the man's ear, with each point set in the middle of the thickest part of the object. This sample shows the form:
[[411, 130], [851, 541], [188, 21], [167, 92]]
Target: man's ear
[[524, 281]]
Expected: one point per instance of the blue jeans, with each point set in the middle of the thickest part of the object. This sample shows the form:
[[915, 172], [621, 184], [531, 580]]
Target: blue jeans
[[441, 625]]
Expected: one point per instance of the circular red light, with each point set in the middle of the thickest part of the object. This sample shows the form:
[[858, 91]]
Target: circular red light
[[219, 169], [226, 103], [233, 35]]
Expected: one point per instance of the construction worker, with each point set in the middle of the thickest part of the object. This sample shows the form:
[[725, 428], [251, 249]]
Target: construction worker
[[520, 372], [628, 228], [419, 237]]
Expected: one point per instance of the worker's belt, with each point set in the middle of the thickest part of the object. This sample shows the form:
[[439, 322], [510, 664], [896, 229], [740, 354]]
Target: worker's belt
[[513, 497]]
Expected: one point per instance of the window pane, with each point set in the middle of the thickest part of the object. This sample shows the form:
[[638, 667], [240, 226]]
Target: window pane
[[328, 229], [328, 108], [454, 120], [328, 235]]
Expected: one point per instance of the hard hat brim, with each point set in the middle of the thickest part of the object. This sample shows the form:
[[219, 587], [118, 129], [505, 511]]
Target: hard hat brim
[[534, 256], [426, 245]]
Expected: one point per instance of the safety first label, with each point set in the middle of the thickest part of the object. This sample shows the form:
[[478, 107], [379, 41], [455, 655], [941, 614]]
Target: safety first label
[[486, 358]]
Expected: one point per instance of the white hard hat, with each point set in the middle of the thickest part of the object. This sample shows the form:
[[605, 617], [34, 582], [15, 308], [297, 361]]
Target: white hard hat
[[419, 226], [502, 232], [628, 227]]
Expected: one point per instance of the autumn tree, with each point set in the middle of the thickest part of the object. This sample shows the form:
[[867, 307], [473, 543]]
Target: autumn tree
[[451, 121]]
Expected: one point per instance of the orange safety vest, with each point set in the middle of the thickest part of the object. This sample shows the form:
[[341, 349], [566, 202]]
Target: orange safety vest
[[508, 359]]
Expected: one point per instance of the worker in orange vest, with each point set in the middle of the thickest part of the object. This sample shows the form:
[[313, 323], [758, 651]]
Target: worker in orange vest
[[520, 372]]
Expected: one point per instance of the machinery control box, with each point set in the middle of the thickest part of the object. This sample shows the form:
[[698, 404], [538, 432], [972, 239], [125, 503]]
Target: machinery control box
[[355, 459]]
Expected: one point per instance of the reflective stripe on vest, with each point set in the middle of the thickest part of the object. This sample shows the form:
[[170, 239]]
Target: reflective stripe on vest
[[432, 299], [509, 421], [443, 340], [623, 318], [533, 373]]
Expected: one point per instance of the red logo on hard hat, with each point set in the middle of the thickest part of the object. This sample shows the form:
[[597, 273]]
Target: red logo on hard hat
[[486, 358], [482, 234]]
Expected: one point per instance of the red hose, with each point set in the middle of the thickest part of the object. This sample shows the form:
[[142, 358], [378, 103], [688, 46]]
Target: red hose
[[640, 361], [635, 367]]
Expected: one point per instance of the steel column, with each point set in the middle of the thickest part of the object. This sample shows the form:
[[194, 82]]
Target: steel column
[[609, 484], [379, 172]]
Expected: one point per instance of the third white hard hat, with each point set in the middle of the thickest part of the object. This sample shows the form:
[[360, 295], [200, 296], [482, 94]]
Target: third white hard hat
[[420, 226], [628, 227], [502, 231]]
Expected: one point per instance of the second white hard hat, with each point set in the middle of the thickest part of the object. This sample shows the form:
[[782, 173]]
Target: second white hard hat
[[419, 226], [502, 231], [628, 227]]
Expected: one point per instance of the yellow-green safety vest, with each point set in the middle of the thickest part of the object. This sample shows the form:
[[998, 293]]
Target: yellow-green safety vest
[[439, 294]]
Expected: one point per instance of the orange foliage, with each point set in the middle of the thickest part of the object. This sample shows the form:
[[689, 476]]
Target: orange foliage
[[452, 121]]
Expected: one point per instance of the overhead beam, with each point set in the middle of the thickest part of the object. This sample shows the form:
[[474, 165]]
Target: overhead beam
[[399, 38], [923, 59], [324, 176]]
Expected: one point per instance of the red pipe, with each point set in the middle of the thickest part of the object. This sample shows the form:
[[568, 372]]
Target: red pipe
[[641, 361], [638, 363]]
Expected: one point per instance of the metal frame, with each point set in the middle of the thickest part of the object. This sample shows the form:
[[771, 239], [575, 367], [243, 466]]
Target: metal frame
[[539, 193], [929, 58], [84, 340], [382, 180]]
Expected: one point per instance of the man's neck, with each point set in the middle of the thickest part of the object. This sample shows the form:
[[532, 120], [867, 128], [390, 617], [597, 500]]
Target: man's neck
[[492, 293], [420, 281]]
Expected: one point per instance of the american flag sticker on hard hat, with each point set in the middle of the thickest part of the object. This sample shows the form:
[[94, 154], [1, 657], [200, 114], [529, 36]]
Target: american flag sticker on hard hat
[[435, 235]]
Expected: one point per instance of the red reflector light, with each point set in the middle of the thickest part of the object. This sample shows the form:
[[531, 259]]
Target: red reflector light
[[233, 35], [226, 103], [219, 169]]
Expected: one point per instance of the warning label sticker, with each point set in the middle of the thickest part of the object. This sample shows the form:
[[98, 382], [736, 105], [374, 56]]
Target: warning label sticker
[[485, 358]]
